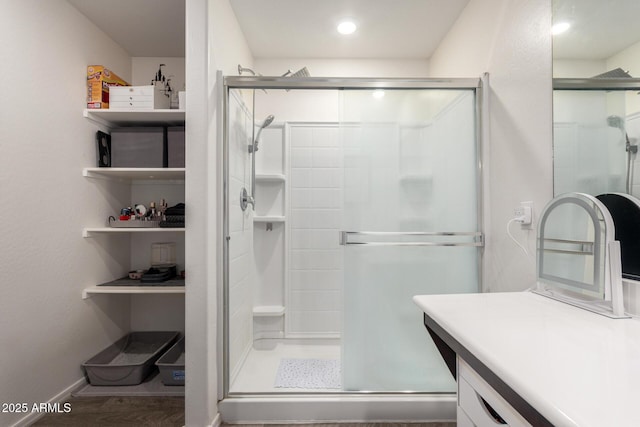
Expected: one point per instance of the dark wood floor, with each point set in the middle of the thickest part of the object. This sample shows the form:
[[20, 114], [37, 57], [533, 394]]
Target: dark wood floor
[[119, 412], [159, 412]]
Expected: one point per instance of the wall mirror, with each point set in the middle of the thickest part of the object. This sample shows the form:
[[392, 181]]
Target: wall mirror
[[596, 100]]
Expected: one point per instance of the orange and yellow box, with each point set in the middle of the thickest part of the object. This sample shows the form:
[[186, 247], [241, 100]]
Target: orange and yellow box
[[99, 80]]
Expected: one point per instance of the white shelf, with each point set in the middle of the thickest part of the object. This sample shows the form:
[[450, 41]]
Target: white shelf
[[269, 218], [268, 311], [87, 232], [87, 292], [270, 177], [119, 117], [134, 173]]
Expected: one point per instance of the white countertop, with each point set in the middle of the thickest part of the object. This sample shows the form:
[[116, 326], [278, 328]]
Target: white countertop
[[575, 367]]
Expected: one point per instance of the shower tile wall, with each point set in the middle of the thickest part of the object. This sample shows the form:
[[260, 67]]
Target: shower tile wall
[[315, 265], [241, 232]]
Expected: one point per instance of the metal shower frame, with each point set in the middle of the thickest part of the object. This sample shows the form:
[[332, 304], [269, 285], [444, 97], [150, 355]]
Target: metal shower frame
[[322, 83]]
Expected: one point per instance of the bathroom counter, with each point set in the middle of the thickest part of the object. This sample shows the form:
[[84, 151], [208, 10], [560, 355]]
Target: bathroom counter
[[554, 363]]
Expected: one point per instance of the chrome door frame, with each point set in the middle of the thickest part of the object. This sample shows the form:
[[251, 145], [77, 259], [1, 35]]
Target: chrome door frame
[[331, 83]]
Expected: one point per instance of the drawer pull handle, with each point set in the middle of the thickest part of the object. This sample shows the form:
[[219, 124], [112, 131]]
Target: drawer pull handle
[[492, 412]]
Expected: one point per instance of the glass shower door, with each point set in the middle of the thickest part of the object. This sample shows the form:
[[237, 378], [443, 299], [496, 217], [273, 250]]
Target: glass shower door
[[410, 227]]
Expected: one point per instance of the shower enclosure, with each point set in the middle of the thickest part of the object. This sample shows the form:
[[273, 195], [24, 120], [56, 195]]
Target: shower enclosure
[[596, 126], [366, 192]]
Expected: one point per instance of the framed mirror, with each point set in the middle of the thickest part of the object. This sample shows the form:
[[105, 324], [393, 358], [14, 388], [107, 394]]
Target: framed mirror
[[596, 102]]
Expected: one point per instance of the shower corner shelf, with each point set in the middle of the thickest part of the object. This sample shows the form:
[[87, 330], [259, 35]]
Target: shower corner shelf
[[268, 311], [270, 177], [268, 218]]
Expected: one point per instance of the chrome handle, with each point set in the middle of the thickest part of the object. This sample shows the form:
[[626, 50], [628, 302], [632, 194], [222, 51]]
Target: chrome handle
[[246, 200], [478, 238]]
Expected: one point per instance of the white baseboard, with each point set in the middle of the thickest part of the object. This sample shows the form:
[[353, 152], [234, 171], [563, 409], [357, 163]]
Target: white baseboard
[[217, 421], [58, 398]]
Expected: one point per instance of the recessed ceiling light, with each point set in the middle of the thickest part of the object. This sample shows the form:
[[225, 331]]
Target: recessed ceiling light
[[559, 28], [378, 93], [346, 27]]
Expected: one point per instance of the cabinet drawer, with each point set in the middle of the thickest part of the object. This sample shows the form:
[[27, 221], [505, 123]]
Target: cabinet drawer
[[481, 403], [141, 105], [121, 91], [129, 98]]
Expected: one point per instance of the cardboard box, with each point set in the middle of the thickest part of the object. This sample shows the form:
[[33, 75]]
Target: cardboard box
[[99, 80]]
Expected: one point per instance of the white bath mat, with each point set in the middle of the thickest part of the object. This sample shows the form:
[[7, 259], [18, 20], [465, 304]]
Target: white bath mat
[[308, 373]]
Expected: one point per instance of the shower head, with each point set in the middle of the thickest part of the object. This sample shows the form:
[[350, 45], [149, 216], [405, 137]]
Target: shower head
[[264, 124], [617, 73], [616, 122], [302, 72], [267, 121]]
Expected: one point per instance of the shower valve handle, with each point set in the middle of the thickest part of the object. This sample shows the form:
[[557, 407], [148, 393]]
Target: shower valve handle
[[246, 199]]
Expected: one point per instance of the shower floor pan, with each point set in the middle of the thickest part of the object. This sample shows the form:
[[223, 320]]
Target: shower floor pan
[[129, 360]]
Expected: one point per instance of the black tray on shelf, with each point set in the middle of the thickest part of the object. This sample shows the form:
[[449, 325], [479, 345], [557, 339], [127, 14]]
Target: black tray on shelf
[[125, 281]]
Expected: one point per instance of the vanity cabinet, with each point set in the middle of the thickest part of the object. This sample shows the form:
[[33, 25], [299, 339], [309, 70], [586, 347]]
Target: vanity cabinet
[[479, 404], [536, 359]]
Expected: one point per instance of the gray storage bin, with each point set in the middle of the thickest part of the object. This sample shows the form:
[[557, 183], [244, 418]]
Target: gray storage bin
[[138, 147], [130, 359], [171, 365], [175, 147]]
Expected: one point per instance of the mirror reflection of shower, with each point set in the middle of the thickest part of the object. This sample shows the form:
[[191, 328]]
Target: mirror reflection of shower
[[245, 199], [631, 149]]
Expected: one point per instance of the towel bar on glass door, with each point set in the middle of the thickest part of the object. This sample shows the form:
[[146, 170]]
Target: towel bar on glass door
[[478, 240]]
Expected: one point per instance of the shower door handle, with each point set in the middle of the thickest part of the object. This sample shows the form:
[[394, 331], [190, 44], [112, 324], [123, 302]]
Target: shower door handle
[[427, 238]]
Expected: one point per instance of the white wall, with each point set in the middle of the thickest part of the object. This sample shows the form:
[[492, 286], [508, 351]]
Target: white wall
[[47, 329], [145, 68], [214, 42], [576, 68], [511, 40], [629, 60], [344, 67], [323, 106]]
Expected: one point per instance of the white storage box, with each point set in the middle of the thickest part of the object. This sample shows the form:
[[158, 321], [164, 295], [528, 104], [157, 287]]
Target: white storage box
[[138, 98]]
